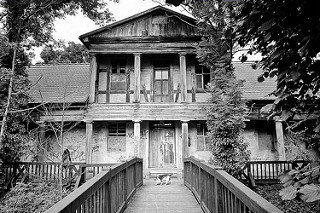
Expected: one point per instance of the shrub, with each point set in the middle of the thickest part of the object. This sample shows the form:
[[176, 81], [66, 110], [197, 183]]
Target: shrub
[[31, 197]]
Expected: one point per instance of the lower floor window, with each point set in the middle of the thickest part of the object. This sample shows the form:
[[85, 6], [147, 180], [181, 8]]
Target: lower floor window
[[117, 137], [203, 142]]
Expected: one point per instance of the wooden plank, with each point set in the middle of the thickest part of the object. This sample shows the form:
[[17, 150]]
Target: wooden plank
[[168, 198]]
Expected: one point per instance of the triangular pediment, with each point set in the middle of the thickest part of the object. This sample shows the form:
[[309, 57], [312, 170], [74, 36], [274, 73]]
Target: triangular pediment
[[155, 22]]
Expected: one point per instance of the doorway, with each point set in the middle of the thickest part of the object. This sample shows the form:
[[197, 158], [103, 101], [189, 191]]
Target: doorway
[[162, 146]]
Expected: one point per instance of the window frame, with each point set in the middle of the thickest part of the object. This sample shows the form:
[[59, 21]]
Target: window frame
[[202, 72], [115, 125], [204, 136]]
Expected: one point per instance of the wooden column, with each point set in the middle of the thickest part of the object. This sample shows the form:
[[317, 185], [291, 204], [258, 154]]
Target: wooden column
[[136, 132], [280, 139], [42, 146], [183, 75], [137, 74], [93, 77], [185, 136], [89, 139]]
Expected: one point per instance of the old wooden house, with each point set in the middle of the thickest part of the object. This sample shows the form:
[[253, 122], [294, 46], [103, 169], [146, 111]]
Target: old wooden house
[[143, 95]]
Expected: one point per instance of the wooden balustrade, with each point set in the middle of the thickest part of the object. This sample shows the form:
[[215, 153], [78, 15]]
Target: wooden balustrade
[[269, 171], [108, 191], [50, 171], [217, 191]]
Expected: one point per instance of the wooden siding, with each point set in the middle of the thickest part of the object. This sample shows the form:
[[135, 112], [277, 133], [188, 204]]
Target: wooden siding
[[146, 111], [145, 47], [151, 25]]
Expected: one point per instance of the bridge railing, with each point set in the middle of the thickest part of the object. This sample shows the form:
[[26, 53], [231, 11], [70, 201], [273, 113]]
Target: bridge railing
[[108, 191], [217, 191]]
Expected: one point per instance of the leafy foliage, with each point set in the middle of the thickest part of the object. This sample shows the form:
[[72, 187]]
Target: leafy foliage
[[286, 33], [16, 131], [59, 52], [302, 182], [226, 122], [226, 113], [271, 193], [31, 197], [34, 18]]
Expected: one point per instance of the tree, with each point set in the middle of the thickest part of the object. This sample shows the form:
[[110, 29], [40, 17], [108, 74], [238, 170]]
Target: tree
[[15, 136], [30, 22], [59, 52], [286, 33], [215, 21]]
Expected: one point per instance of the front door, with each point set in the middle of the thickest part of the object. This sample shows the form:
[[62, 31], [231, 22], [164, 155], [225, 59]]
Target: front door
[[162, 148]]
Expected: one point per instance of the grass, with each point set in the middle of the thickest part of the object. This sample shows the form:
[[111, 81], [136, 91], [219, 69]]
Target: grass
[[271, 193]]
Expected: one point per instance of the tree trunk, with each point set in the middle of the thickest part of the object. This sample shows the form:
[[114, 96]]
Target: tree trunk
[[5, 115]]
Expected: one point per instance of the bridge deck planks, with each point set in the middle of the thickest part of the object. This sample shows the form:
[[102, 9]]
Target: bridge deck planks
[[167, 198]]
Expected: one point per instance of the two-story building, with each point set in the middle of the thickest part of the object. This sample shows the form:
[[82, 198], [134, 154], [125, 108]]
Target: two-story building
[[143, 94]]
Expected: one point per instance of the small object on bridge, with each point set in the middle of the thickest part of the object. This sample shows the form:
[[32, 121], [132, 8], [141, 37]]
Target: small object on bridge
[[164, 179]]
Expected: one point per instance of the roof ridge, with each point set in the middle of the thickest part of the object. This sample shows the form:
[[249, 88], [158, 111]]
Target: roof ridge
[[57, 64]]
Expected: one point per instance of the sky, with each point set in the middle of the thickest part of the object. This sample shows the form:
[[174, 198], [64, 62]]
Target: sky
[[70, 28]]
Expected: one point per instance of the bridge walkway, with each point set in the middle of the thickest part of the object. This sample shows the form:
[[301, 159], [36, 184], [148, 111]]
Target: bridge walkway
[[175, 197]]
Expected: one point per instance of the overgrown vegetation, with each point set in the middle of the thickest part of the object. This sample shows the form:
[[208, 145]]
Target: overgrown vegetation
[[31, 197], [216, 21], [271, 194], [226, 122], [302, 183]]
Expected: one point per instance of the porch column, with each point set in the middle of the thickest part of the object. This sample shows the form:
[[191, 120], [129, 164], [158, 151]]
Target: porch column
[[185, 136], [136, 132], [93, 77], [280, 139], [89, 139], [42, 145], [183, 75], [137, 73]]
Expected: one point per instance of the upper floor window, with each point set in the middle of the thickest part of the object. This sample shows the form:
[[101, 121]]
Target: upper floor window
[[202, 76], [118, 74], [118, 66]]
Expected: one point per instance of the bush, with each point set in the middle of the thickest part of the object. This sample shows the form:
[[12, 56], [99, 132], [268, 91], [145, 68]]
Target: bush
[[31, 197]]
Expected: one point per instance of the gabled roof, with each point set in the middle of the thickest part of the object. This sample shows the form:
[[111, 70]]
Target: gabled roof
[[136, 16], [59, 83], [254, 90]]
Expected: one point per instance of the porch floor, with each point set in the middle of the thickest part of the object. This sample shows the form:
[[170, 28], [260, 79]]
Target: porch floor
[[175, 197]]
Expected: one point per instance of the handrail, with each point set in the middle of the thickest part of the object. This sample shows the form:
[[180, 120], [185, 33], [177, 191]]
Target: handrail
[[108, 191], [217, 191]]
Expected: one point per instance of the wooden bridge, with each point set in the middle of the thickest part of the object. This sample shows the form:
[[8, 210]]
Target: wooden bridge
[[121, 188]]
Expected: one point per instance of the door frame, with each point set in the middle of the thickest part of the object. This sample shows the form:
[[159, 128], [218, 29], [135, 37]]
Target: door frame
[[173, 128]]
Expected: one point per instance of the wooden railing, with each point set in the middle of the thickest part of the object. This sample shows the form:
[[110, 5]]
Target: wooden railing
[[269, 171], [217, 191], [109, 191], [80, 172]]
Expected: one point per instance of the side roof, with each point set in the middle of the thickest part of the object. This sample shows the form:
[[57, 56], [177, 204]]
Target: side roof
[[59, 83], [54, 83], [254, 90]]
